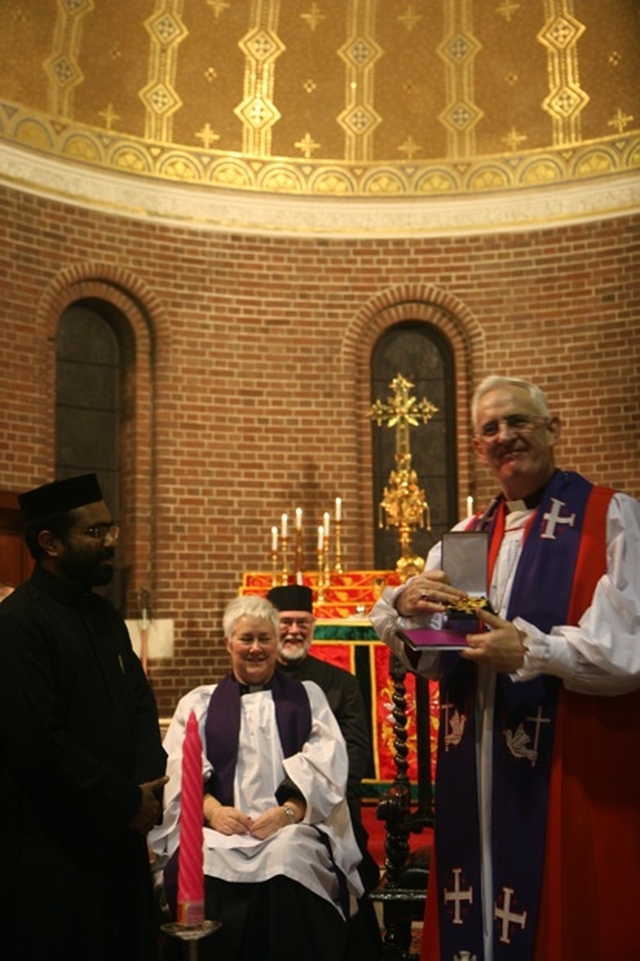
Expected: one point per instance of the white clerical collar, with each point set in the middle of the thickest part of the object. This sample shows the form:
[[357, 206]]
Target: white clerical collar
[[517, 515]]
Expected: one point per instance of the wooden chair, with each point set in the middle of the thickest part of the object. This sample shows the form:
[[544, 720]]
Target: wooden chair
[[402, 891]]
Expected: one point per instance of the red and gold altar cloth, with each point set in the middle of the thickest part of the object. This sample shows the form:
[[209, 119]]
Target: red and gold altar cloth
[[346, 594]]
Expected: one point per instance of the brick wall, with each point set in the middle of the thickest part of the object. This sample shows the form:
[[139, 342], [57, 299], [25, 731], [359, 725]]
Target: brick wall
[[246, 376]]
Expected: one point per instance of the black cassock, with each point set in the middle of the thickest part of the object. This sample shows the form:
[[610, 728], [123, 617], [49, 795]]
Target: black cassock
[[78, 733]]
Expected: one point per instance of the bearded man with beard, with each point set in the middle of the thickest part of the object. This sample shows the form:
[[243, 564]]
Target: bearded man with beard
[[294, 602], [81, 759]]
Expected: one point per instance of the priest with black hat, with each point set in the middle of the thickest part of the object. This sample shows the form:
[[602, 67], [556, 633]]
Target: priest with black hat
[[294, 602], [295, 605], [81, 760]]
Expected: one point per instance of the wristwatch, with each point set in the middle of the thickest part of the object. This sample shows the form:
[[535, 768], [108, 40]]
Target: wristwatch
[[290, 814]]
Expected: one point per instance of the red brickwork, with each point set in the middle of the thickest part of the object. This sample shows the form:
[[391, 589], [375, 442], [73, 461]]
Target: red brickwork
[[246, 376]]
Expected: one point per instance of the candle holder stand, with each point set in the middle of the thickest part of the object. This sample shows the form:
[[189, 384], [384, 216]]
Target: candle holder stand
[[191, 935], [320, 556], [326, 563], [299, 563], [274, 568], [284, 540], [338, 556]]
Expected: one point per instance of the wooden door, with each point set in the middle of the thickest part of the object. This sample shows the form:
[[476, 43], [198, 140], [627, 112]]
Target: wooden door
[[15, 561]]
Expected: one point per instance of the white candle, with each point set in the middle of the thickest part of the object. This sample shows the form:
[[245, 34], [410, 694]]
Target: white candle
[[326, 523], [274, 539], [469, 506], [298, 518], [320, 538], [338, 509], [283, 527]]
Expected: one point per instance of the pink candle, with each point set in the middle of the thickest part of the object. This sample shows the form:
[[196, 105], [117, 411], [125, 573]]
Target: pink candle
[[190, 857]]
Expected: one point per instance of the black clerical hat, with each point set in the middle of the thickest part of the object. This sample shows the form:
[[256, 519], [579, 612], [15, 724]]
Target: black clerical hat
[[291, 597], [59, 497]]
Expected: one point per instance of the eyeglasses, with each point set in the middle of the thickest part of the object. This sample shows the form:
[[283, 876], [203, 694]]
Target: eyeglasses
[[515, 424], [101, 531], [304, 623]]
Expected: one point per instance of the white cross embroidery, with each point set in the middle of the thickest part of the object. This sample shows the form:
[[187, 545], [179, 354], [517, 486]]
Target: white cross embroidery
[[552, 518], [457, 895], [504, 914]]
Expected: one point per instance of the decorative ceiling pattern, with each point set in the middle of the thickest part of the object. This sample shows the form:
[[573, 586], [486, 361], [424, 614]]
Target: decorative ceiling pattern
[[360, 98]]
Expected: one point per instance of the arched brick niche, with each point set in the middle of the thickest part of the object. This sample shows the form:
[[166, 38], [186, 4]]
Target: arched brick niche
[[139, 324], [421, 304]]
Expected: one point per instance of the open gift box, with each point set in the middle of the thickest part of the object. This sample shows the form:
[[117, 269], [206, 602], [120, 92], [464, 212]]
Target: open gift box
[[465, 556]]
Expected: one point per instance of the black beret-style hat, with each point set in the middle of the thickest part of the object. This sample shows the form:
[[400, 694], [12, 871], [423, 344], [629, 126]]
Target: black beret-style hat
[[291, 597], [59, 497]]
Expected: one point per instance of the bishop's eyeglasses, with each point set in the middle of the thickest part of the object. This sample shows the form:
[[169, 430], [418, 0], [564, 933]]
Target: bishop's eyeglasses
[[514, 423]]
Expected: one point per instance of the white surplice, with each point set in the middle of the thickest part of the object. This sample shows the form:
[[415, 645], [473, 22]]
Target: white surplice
[[319, 771]]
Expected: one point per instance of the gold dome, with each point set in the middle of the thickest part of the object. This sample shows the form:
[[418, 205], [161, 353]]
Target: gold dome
[[328, 98]]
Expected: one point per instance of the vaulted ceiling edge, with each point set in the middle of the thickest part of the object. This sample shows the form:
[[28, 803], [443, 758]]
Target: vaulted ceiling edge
[[219, 209]]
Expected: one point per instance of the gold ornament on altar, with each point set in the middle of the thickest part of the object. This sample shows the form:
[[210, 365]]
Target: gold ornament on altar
[[404, 504]]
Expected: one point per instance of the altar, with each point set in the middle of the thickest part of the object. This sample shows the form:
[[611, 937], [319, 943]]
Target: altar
[[344, 636]]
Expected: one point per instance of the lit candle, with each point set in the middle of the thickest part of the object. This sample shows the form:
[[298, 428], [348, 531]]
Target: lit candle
[[283, 527], [274, 539], [326, 523], [298, 518], [338, 509], [190, 855], [320, 538], [469, 506]]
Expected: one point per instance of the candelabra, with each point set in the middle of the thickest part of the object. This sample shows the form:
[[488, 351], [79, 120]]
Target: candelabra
[[326, 561], [284, 542], [320, 554], [338, 548], [299, 558], [404, 504]]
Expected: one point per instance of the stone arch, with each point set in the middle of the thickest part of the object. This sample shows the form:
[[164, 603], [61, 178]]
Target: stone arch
[[139, 321], [455, 321]]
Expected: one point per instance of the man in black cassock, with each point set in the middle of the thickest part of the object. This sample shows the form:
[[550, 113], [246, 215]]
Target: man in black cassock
[[294, 603], [81, 759]]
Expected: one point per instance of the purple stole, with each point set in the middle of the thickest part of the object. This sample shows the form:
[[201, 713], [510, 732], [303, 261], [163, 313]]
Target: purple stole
[[222, 732], [522, 747], [222, 727]]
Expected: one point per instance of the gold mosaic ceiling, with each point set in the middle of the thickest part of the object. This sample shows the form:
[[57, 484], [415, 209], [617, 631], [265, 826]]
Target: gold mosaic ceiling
[[367, 98]]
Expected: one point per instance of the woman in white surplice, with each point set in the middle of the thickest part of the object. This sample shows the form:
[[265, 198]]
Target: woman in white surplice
[[280, 857]]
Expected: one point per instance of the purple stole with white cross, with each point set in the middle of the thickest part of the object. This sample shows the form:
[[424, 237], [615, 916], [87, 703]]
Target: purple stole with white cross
[[523, 731]]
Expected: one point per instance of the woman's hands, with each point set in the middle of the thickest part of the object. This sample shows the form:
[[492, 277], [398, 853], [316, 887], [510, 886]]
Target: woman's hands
[[230, 820]]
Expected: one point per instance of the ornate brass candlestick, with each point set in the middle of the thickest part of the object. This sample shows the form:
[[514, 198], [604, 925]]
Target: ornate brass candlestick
[[338, 549], [320, 560], [326, 561], [299, 561], [404, 504], [284, 544]]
